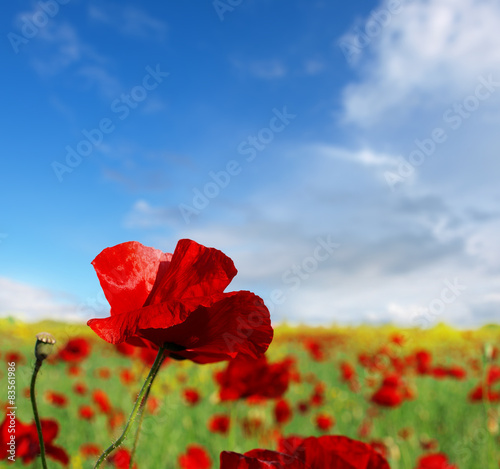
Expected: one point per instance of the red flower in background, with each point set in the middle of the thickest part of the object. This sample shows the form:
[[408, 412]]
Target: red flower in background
[[86, 412], [282, 411], [191, 396], [75, 350], [324, 422], [196, 457], [90, 450], [178, 299], [56, 398], [478, 393], [102, 401], [219, 423], [424, 361], [348, 372], [391, 393], [245, 378], [337, 452], [121, 459], [315, 350], [27, 444], [435, 461]]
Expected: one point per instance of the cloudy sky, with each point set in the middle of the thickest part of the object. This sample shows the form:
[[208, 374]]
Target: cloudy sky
[[347, 160]]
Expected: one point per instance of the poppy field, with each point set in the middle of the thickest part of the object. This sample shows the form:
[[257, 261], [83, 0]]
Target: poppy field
[[422, 398]]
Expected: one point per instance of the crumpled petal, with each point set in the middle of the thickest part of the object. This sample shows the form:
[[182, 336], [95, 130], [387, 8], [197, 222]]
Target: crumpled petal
[[127, 273]]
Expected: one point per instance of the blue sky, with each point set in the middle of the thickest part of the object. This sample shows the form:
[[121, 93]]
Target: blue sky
[[345, 159]]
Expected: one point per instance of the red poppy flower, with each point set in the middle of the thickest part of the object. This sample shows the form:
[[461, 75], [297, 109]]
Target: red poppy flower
[[196, 457], [27, 446], [318, 396], [478, 393], [153, 404], [259, 459], [282, 411], [178, 299], [80, 388], [121, 459], [324, 422], [103, 373], [391, 393], [424, 360], [74, 370], [191, 396], [315, 350], [75, 350], [245, 378], [126, 376], [219, 423], [90, 450], [337, 452], [348, 372], [435, 461], [57, 399], [86, 412], [15, 357], [102, 401]]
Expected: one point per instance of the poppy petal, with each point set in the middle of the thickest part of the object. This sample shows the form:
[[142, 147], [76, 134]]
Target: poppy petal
[[238, 323], [195, 271], [57, 453], [127, 273]]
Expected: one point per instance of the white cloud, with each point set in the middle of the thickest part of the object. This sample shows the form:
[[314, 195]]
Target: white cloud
[[430, 51], [32, 303]]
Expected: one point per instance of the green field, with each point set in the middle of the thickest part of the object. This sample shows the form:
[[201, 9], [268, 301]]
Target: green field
[[439, 417]]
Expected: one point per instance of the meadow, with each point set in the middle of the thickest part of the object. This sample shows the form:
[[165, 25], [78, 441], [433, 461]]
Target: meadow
[[408, 392]]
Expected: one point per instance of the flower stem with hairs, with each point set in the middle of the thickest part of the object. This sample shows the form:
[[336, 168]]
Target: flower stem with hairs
[[141, 400]]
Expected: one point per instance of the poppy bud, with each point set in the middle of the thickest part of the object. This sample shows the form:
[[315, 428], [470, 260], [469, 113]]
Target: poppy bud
[[44, 345]]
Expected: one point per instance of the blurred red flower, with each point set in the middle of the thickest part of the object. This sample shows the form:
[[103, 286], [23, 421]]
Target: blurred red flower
[[424, 361], [90, 449], [347, 371], [121, 459], [315, 349], [57, 399], [282, 411], [80, 388], [75, 350], [478, 393], [337, 452], [245, 377], [324, 422], [219, 423], [178, 299], [86, 412], [391, 393], [126, 376], [435, 461], [196, 457], [191, 396], [26, 442], [101, 399]]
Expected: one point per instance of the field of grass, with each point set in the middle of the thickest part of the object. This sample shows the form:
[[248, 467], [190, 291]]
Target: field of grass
[[435, 416]]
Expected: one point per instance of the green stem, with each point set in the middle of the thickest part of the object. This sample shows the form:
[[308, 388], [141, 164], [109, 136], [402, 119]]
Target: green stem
[[145, 390], [138, 431], [38, 365]]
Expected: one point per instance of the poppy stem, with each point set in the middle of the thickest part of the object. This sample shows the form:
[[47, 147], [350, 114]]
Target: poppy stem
[[138, 431], [140, 398], [38, 365]]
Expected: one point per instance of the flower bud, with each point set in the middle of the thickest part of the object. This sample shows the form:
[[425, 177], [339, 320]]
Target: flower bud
[[44, 345]]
